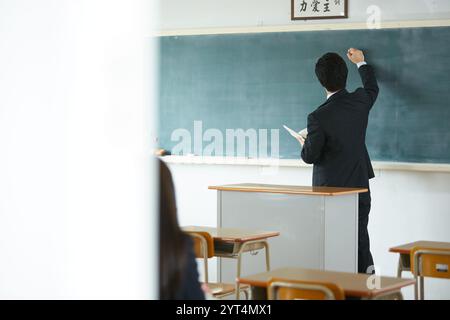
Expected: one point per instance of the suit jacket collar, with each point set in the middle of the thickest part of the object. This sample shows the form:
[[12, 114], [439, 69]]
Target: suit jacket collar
[[335, 96]]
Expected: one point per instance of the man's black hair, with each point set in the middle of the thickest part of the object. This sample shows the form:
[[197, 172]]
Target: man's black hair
[[331, 70]]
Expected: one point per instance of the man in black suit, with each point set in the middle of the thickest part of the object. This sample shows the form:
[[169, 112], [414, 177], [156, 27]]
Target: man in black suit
[[336, 137]]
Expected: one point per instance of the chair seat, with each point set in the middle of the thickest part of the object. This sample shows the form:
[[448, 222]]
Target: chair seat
[[219, 289]]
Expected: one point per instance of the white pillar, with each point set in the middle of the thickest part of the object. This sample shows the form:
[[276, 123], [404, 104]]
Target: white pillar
[[77, 213]]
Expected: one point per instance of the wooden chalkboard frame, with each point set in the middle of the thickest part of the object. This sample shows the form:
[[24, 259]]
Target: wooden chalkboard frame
[[294, 18]]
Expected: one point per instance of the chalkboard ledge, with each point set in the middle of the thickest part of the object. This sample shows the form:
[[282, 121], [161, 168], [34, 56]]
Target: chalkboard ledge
[[267, 162]]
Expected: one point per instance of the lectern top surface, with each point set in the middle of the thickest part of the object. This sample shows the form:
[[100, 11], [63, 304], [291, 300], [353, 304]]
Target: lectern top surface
[[288, 189]]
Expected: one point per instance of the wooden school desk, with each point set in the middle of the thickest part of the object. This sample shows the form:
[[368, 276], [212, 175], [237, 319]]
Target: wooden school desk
[[353, 284], [318, 225], [404, 260], [233, 242]]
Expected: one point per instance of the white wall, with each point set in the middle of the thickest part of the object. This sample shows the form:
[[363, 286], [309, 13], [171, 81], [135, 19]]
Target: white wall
[[75, 192], [181, 14]]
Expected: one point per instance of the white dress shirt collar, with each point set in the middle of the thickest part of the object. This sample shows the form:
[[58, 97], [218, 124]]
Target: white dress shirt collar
[[329, 94]]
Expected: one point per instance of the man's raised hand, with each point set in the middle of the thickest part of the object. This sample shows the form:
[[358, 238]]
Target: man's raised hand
[[355, 55]]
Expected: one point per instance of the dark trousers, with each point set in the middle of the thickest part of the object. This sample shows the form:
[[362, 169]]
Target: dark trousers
[[364, 256]]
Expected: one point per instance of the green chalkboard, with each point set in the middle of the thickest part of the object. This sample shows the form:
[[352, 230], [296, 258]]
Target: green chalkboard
[[265, 80]]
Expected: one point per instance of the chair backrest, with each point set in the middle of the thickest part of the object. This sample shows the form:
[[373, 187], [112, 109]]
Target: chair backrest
[[203, 244], [428, 262], [281, 289]]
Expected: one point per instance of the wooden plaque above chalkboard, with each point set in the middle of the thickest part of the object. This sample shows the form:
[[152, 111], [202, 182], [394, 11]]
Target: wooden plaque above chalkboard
[[319, 9]]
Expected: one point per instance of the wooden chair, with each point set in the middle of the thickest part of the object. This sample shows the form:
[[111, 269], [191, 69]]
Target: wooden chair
[[280, 289], [204, 249], [431, 263]]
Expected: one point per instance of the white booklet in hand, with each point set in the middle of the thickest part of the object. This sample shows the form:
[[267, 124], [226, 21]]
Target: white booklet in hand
[[303, 133]]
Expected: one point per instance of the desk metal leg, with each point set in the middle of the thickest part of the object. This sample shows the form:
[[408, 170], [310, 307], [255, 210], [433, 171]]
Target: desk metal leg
[[416, 289], [422, 289], [246, 294], [239, 261], [266, 246], [419, 291]]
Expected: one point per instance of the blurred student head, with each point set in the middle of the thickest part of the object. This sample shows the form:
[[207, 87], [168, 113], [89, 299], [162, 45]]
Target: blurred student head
[[331, 70], [171, 238], [177, 264]]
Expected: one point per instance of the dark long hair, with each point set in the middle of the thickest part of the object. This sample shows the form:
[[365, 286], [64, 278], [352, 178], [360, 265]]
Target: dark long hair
[[172, 240]]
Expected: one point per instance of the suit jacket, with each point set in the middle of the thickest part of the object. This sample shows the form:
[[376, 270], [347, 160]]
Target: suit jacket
[[336, 142]]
